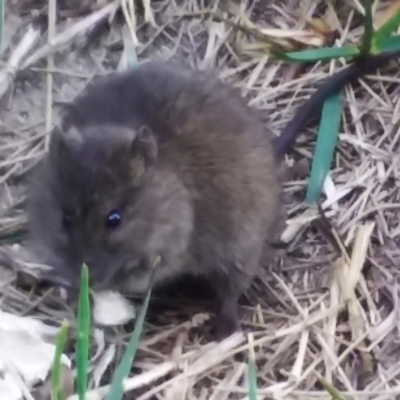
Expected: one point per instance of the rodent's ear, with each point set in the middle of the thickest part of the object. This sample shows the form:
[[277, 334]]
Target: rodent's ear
[[61, 141], [147, 144]]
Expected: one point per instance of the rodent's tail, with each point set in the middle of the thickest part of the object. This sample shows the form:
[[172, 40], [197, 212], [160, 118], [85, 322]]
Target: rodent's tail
[[332, 85]]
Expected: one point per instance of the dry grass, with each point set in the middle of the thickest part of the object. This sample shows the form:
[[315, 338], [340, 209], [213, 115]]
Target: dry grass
[[335, 315]]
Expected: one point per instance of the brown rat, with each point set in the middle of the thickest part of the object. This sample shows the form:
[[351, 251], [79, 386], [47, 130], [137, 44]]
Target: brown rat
[[157, 161], [162, 160]]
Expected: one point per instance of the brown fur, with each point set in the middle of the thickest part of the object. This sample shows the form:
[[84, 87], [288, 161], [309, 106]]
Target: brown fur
[[189, 166]]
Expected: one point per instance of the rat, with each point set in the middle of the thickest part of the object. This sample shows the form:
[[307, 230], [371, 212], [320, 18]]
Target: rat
[[164, 161]]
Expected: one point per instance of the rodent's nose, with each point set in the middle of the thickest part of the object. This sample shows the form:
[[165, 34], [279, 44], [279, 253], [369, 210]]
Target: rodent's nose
[[103, 271]]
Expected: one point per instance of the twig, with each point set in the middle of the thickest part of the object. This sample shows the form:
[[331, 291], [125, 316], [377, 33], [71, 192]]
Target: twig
[[7, 74], [69, 34], [50, 66]]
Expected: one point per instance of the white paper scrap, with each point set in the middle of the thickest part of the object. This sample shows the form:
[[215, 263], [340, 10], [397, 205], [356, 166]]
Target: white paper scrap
[[24, 353], [111, 308]]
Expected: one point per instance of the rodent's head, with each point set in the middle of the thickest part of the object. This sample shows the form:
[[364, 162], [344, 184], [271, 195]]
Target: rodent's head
[[94, 199]]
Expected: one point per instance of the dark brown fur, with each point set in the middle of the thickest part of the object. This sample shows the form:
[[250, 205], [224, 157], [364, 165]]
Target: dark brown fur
[[187, 163]]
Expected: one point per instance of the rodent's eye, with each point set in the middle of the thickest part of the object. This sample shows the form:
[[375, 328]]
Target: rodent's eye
[[114, 219]]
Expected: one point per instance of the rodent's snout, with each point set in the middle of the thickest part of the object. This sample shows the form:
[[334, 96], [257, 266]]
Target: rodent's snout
[[105, 271], [115, 271]]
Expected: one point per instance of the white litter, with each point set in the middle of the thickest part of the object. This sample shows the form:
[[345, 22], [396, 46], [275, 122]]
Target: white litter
[[111, 308], [25, 356]]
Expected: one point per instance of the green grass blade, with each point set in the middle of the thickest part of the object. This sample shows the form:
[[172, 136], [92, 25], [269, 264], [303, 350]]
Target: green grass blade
[[326, 142], [391, 43], [336, 395], [14, 237], [56, 389], [251, 372], [116, 388], [252, 389], [387, 28], [83, 331], [323, 53], [368, 29]]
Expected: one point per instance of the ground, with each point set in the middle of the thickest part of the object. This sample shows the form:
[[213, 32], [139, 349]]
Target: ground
[[296, 309]]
